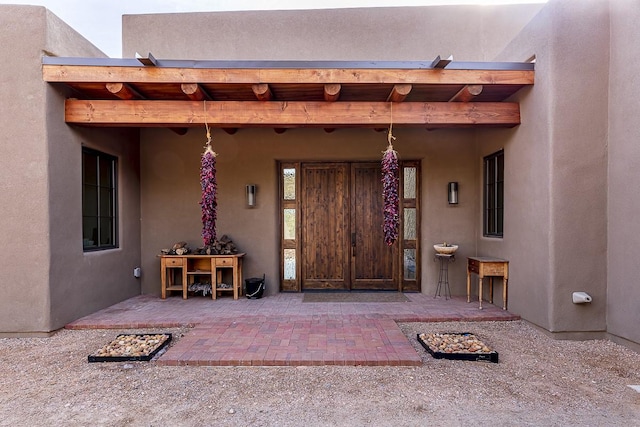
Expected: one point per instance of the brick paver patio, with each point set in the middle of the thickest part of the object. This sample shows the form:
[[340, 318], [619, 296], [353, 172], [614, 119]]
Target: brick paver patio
[[283, 330]]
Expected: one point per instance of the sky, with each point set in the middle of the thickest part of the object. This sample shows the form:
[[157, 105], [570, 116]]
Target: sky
[[100, 21]]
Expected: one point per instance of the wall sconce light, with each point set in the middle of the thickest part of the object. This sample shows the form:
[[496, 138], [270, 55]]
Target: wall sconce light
[[452, 190], [251, 195]]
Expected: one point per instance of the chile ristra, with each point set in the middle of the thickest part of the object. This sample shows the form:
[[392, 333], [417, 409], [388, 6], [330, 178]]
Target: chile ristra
[[208, 202], [390, 183]]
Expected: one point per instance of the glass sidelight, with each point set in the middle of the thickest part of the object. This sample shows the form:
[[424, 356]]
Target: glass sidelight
[[289, 220], [410, 226]]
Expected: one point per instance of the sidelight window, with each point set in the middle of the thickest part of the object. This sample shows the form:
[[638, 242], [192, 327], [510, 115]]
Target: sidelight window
[[289, 219]]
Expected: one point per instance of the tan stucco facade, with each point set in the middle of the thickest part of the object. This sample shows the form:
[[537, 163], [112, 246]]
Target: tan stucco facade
[[47, 280], [570, 211], [623, 183]]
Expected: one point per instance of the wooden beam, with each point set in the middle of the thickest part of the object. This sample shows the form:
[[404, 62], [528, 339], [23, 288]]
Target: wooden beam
[[89, 74], [148, 61], [228, 114], [195, 92], [123, 91], [262, 92], [399, 93], [467, 93], [332, 92], [441, 63]]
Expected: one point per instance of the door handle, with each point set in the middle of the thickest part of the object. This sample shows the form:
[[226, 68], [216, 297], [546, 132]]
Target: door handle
[[353, 244]]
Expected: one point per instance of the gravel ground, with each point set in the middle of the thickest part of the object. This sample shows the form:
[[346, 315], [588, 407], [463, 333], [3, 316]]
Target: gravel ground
[[538, 382]]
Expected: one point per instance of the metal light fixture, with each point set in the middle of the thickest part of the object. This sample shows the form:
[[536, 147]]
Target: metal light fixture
[[251, 195], [452, 190]]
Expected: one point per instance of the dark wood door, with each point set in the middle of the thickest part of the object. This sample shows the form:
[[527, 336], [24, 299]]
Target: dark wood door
[[325, 226], [342, 241], [373, 263]]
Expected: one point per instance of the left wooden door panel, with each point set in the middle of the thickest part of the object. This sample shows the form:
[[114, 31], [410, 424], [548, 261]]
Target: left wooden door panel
[[325, 226]]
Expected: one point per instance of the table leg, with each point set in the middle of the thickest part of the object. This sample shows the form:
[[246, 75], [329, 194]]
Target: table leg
[[240, 282], [480, 291], [235, 281], [468, 286], [504, 294], [163, 279], [184, 279], [214, 281]]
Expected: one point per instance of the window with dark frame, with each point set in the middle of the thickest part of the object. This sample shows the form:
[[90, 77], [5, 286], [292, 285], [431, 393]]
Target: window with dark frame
[[99, 196], [494, 194]]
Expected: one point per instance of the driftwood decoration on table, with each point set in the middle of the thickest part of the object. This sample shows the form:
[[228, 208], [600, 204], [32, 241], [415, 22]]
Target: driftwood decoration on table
[[224, 246], [390, 189], [209, 187]]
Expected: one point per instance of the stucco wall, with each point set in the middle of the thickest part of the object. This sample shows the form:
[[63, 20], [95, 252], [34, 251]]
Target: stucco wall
[[48, 281], [470, 33], [623, 243], [555, 214], [82, 283], [171, 190], [23, 172]]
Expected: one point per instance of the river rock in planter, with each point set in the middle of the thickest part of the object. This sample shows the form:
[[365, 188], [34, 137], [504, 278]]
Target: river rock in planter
[[131, 347]]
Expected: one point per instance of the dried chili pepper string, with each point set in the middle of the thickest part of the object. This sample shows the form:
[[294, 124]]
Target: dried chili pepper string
[[390, 189], [209, 188]]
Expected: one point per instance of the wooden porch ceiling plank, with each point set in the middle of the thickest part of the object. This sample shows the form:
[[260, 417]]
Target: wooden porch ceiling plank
[[231, 114], [81, 73]]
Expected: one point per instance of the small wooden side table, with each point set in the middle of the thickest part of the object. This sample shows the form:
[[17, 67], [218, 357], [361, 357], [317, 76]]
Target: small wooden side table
[[489, 267], [200, 266]]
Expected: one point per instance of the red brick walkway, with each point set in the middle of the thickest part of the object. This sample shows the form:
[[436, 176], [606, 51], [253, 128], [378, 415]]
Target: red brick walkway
[[297, 340], [282, 330]]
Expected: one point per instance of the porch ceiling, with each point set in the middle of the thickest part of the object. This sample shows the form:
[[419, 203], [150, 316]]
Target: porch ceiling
[[287, 94]]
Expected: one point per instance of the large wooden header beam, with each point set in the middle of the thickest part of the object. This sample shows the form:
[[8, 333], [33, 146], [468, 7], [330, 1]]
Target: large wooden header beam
[[92, 74], [288, 114]]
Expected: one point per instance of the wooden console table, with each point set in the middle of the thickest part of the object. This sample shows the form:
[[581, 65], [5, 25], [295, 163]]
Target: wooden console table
[[489, 267], [192, 266]]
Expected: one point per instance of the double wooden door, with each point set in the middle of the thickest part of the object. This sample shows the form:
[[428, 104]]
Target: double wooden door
[[341, 229]]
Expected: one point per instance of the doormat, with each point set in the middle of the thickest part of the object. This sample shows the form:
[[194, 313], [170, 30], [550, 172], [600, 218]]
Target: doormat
[[354, 297]]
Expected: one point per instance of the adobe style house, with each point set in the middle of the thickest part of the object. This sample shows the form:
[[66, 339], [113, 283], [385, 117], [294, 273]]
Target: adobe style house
[[534, 119]]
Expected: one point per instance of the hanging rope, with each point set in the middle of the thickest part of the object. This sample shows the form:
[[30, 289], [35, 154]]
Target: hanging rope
[[206, 125], [390, 188], [390, 136]]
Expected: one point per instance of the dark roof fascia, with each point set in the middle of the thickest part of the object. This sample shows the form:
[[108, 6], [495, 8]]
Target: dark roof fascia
[[229, 64]]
